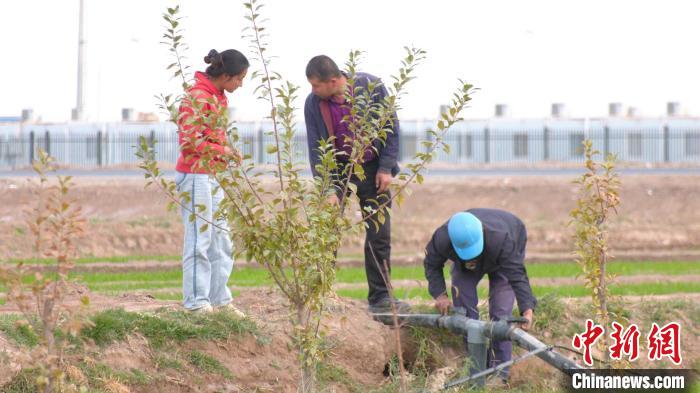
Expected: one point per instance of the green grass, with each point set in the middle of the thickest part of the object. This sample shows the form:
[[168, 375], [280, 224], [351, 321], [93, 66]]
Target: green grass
[[166, 326], [162, 361], [134, 258], [671, 310], [357, 274], [622, 268], [95, 280], [429, 344], [241, 277], [639, 289], [23, 382], [540, 270], [98, 373], [539, 291], [208, 364], [114, 283], [146, 276], [328, 374], [252, 276], [13, 327], [550, 313]]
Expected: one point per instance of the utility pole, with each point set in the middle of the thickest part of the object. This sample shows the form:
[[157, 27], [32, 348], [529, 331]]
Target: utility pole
[[78, 111]]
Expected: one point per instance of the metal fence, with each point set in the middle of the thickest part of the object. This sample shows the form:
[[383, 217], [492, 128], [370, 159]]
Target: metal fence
[[494, 141]]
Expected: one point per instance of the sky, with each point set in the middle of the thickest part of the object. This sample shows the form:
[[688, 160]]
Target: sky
[[526, 54]]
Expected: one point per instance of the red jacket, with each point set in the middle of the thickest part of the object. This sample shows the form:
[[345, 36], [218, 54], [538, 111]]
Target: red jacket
[[200, 136]]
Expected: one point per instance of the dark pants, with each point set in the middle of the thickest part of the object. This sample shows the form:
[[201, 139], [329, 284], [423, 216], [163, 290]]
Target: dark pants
[[377, 239], [501, 298]]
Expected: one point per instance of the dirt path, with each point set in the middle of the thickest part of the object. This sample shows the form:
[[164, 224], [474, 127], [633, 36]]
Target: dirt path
[[130, 301], [659, 216]]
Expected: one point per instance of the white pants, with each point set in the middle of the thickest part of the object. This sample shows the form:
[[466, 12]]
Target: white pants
[[206, 255]]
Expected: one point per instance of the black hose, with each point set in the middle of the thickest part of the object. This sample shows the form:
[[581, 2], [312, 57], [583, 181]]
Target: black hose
[[495, 330]]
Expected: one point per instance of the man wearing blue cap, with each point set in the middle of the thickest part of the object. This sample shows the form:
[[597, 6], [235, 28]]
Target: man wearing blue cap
[[480, 242]]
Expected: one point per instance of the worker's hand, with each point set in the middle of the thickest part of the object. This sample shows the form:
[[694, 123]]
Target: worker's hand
[[527, 314], [383, 181], [333, 200], [442, 303]]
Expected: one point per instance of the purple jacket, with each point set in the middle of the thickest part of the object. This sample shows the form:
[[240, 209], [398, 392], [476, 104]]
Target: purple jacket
[[316, 128]]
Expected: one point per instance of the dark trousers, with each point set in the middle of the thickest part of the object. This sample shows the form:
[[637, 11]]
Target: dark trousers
[[377, 236], [501, 299]]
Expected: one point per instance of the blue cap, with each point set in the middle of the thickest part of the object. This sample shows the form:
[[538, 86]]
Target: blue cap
[[466, 234]]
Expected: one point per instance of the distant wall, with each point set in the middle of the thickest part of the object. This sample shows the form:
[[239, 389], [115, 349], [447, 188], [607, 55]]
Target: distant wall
[[493, 141]]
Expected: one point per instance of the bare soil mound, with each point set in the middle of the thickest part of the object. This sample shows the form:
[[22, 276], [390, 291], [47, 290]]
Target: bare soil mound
[[659, 217], [260, 361]]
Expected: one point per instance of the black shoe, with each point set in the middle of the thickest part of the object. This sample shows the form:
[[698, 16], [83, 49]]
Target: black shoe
[[384, 306]]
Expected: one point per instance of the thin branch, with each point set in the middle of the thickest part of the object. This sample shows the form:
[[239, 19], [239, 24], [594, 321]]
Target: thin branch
[[394, 315], [273, 112], [178, 202], [252, 189], [232, 199], [394, 195], [279, 281]]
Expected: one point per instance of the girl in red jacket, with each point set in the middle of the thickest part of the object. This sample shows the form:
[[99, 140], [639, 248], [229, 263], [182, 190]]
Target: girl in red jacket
[[204, 150]]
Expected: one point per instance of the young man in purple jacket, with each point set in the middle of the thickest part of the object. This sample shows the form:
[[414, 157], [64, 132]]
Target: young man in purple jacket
[[324, 111], [482, 242]]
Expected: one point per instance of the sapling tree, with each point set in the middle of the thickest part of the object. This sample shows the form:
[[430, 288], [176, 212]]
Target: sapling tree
[[598, 200], [289, 227], [54, 220]]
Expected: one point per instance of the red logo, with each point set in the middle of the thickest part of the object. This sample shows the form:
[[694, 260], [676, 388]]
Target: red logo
[[665, 341], [624, 344], [586, 339]]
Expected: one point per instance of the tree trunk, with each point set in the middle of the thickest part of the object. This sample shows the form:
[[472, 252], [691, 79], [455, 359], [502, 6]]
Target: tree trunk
[[603, 297], [307, 382], [602, 287], [397, 329], [50, 358]]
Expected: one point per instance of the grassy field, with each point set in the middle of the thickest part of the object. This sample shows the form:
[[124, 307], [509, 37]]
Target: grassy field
[[165, 284], [562, 291], [170, 334]]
